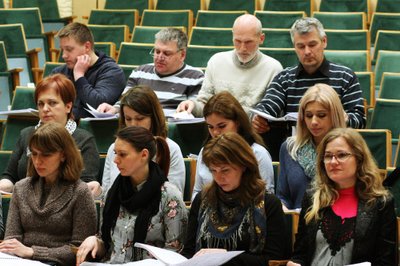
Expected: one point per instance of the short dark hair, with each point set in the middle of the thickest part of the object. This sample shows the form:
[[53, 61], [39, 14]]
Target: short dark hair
[[78, 31]]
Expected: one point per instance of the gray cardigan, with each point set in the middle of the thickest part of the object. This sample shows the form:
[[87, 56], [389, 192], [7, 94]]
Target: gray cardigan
[[17, 166]]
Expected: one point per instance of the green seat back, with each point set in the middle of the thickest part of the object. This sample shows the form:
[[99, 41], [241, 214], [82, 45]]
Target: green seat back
[[278, 19], [342, 20], [248, 5], [386, 40], [348, 40], [211, 36], [193, 5], [217, 19], [3, 58], [127, 70], [49, 66], [6, 85], [290, 5], [168, 18], [366, 80], [344, 6], [135, 54], [355, 60], [379, 143], [128, 17], [387, 61], [12, 130], [389, 88], [23, 98], [396, 162], [13, 36], [140, 5], [198, 55], [381, 120], [388, 6], [108, 48], [286, 56], [277, 38], [383, 21], [102, 161], [103, 132], [110, 33], [189, 137], [394, 188], [29, 17], [145, 34]]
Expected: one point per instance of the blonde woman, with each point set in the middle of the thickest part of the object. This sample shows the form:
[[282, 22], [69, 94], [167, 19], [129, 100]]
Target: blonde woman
[[320, 110], [348, 217]]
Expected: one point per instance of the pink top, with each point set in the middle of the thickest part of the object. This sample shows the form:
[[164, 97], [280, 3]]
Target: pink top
[[346, 205]]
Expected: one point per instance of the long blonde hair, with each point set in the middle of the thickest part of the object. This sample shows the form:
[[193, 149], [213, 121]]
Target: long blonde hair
[[368, 187], [329, 99]]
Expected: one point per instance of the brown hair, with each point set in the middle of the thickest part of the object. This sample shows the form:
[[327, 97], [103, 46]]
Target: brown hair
[[61, 85], [140, 138], [369, 184], [144, 101], [51, 138], [78, 31], [230, 148], [226, 105]]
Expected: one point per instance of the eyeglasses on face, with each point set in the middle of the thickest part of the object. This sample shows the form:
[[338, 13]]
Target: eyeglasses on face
[[341, 157], [155, 53]]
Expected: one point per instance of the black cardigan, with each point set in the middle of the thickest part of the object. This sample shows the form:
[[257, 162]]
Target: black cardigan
[[276, 237], [374, 239]]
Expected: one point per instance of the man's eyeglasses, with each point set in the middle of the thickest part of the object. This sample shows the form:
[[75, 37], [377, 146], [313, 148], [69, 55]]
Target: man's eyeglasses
[[159, 54], [341, 157]]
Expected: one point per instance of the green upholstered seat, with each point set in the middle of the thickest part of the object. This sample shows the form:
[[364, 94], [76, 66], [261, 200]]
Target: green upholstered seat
[[135, 54], [387, 61], [286, 56], [217, 19], [170, 18], [290, 5], [128, 17], [211, 36], [194, 5], [366, 80], [248, 5], [348, 40], [198, 55], [389, 88], [278, 19], [342, 20], [277, 38], [356, 60], [379, 142], [103, 132]]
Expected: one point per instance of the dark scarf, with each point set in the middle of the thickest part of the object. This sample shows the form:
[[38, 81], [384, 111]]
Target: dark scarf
[[224, 223], [146, 202]]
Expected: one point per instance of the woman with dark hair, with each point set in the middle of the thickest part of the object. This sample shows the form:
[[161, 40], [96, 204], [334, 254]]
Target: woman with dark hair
[[348, 216], [223, 113], [141, 205], [52, 208], [140, 107], [54, 96], [234, 211]]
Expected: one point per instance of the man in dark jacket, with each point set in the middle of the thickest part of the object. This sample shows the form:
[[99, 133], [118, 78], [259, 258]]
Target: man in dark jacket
[[96, 76]]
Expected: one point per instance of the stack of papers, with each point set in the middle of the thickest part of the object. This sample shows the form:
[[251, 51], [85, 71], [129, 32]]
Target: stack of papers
[[22, 112], [181, 117], [97, 115], [288, 117]]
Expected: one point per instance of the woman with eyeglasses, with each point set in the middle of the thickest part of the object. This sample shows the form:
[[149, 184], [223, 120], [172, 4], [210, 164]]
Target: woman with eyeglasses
[[320, 110], [348, 216]]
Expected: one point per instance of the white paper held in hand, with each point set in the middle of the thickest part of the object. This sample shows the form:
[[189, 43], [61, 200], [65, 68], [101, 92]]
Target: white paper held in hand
[[288, 117]]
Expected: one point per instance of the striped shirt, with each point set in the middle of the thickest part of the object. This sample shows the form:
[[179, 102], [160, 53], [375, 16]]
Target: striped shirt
[[184, 84], [287, 88]]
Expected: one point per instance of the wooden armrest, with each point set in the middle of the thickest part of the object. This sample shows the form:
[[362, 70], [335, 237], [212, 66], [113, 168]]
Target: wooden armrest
[[85, 17], [16, 80], [69, 19], [37, 74], [277, 262], [50, 36], [33, 56], [54, 54]]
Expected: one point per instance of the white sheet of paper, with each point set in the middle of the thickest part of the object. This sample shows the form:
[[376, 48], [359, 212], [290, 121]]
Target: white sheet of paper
[[9, 260], [288, 117], [99, 115], [166, 256], [360, 264], [21, 112], [147, 262]]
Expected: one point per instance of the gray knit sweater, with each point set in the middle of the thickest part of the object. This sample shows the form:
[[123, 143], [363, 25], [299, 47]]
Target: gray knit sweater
[[51, 218]]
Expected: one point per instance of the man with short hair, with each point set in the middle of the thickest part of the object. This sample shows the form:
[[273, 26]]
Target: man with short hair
[[168, 75], [96, 76], [245, 72], [287, 88]]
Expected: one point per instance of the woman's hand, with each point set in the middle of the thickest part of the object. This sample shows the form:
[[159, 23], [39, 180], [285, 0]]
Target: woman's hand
[[95, 188], [204, 251], [13, 246], [90, 244], [291, 263]]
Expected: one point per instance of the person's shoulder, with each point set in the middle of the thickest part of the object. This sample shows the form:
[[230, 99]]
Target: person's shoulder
[[222, 55], [338, 67], [271, 62], [171, 191], [23, 184], [259, 150], [81, 133], [193, 71], [81, 188], [27, 130], [172, 144]]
